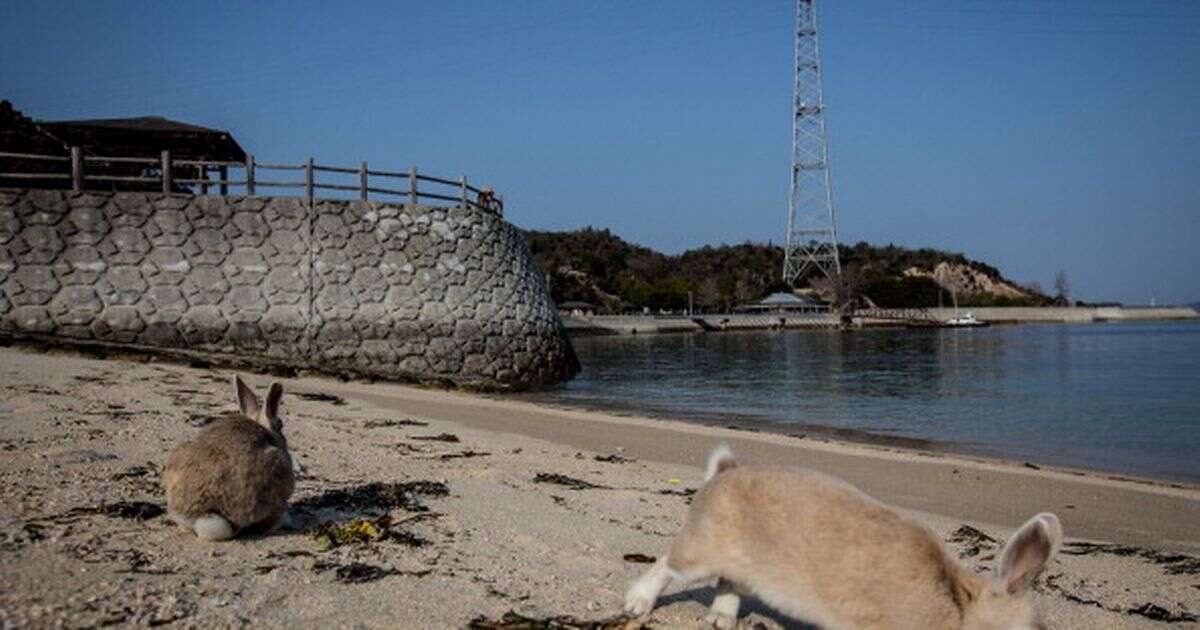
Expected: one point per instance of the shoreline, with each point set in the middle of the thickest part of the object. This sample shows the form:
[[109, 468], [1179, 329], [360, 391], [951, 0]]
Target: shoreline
[[907, 478], [599, 325], [847, 436], [526, 508]]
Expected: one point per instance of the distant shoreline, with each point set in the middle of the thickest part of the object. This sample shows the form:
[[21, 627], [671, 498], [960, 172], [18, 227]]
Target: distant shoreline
[[657, 324]]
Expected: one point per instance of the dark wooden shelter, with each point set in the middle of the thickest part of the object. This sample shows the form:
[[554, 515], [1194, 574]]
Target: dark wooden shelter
[[144, 137], [147, 136]]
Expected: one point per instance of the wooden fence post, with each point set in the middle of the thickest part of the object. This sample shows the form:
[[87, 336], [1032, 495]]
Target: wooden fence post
[[249, 175], [362, 181], [168, 184], [412, 185], [223, 172], [308, 179], [464, 192], [77, 169], [202, 175]]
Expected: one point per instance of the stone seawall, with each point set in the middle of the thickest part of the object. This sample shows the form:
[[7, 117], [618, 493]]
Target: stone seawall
[[383, 290]]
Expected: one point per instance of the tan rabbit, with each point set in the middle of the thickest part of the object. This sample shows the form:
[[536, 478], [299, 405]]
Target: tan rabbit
[[819, 550], [236, 475]]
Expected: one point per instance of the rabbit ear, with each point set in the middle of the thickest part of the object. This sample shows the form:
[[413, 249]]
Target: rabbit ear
[[246, 398], [1027, 553], [271, 409]]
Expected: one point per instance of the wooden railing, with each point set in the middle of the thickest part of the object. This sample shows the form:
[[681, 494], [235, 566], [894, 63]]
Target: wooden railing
[[192, 177]]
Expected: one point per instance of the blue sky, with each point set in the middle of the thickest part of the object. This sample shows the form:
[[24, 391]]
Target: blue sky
[[1033, 135]]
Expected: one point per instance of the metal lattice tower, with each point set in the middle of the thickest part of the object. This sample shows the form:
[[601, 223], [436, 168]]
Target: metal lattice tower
[[812, 238]]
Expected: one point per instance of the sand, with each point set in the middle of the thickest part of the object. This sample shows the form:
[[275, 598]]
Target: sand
[[82, 541]]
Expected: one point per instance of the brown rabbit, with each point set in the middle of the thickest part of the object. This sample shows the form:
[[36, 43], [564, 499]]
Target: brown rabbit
[[236, 475], [819, 550]]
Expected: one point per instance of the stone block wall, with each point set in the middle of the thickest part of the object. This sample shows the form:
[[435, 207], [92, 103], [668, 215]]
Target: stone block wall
[[384, 290]]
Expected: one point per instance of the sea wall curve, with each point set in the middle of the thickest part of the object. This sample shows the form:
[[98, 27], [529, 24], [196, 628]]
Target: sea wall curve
[[392, 291]]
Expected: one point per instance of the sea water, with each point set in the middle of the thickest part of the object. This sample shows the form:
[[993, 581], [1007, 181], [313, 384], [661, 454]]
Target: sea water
[[1123, 398]]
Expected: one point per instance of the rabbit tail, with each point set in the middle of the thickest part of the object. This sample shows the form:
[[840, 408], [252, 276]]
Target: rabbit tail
[[213, 527]]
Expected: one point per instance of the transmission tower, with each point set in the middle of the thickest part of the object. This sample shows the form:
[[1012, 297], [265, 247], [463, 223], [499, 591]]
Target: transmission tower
[[811, 238]]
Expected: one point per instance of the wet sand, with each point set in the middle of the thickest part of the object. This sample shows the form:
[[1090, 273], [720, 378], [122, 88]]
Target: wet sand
[[492, 506]]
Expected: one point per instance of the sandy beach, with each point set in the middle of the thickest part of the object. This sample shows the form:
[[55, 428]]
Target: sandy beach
[[492, 506]]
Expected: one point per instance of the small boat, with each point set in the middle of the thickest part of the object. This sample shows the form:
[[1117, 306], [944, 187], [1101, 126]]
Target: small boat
[[966, 320]]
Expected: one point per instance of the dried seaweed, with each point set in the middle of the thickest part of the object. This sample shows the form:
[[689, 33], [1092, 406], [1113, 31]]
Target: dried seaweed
[[336, 401], [1158, 613], [377, 496], [380, 424], [614, 459], [513, 620], [364, 531], [441, 437], [463, 455], [133, 510], [638, 558], [1147, 610], [1172, 563], [361, 572], [568, 482], [975, 540]]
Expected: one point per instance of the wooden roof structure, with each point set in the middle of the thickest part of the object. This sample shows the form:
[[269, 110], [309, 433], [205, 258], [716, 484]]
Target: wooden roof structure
[[142, 137], [146, 136]]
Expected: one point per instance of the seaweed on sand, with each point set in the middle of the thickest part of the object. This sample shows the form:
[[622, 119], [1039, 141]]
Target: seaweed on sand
[[361, 572], [568, 482], [133, 510], [441, 437], [336, 401], [406, 422], [975, 540], [613, 459], [1172, 563], [364, 531], [512, 620], [375, 495]]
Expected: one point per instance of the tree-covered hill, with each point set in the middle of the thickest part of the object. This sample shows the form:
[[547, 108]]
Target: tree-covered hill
[[599, 267]]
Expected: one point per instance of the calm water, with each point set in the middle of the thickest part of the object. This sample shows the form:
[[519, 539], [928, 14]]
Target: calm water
[[1116, 397]]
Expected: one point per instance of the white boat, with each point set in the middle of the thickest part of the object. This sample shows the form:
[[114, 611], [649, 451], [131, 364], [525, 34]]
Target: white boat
[[965, 320]]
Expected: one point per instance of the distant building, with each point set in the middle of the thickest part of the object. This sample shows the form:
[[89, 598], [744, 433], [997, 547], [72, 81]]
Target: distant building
[[784, 303]]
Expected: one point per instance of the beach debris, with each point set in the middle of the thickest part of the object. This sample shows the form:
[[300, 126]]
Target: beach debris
[[1033, 466], [463, 455], [1158, 613], [567, 482], [975, 541], [359, 530], [336, 401], [1148, 610], [361, 572], [686, 492], [1172, 563], [638, 558], [133, 510], [441, 437], [674, 481], [375, 496], [512, 620], [406, 422], [363, 531], [614, 459]]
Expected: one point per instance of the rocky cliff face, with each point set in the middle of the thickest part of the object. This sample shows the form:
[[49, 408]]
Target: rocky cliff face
[[964, 280]]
